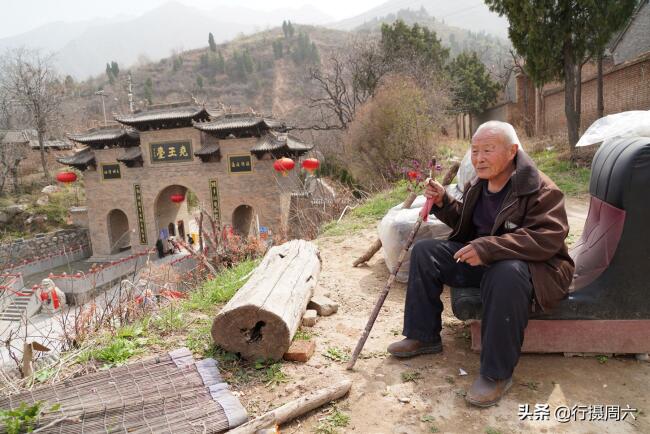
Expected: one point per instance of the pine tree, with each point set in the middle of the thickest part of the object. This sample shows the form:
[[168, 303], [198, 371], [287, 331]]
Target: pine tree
[[570, 32], [473, 88], [247, 62], [109, 73], [148, 91], [115, 69], [221, 64], [405, 45], [211, 43], [277, 49]]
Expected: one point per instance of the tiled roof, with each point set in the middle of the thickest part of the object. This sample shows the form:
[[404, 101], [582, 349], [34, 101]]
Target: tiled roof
[[131, 154], [105, 135], [279, 141], [13, 136], [162, 114], [80, 159], [208, 149], [234, 122], [57, 144]]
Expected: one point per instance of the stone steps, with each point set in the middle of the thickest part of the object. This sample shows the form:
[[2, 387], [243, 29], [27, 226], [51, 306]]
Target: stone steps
[[18, 306]]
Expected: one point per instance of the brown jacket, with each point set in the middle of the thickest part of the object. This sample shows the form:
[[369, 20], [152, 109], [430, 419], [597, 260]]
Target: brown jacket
[[531, 226]]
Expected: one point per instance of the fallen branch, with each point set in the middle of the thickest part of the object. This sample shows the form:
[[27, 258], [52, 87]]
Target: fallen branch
[[294, 408]]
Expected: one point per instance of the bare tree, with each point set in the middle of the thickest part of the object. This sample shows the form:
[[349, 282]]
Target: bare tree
[[11, 155], [28, 78], [347, 79]]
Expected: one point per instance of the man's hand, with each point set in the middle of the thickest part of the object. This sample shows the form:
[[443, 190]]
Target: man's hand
[[468, 255], [434, 190]]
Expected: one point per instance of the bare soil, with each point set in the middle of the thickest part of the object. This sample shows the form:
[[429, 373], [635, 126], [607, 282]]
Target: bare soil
[[381, 401]]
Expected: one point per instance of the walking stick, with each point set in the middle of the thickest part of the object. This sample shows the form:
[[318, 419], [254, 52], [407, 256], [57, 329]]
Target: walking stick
[[424, 213]]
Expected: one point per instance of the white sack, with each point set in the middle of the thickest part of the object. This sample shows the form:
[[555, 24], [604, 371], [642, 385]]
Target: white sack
[[395, 228], [625, 124]]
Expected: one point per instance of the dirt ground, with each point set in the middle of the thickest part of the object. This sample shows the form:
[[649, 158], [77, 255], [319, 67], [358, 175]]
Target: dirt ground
[[382, 402]]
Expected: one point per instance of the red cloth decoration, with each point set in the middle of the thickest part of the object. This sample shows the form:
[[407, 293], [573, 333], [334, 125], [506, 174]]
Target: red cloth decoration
[[55, 299]]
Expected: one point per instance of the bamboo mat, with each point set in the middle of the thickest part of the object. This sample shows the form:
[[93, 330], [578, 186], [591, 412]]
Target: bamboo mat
[[166, 394]]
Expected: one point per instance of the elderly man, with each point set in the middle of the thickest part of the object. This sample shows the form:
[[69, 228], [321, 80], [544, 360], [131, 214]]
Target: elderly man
[[508, 239]]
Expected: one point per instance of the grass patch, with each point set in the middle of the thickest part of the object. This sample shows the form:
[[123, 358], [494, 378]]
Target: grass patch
[[24, 418], [199, 339], [170, 319], [272, 374], [369, 212], [336, 419], [571, 179], [411, 376], [302, 335], [221, 288], [337, 354], [119, 351]]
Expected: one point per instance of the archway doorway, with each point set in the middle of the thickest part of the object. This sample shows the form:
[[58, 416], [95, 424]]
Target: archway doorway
[[242, 219], [176, 210], [119, 237]]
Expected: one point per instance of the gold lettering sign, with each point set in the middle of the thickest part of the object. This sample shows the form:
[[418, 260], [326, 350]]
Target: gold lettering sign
[[111, 171], [140, 211], [214, 195], [171, 152], [240, 163]]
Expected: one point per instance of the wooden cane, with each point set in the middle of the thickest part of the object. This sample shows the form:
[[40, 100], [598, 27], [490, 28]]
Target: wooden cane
[[424, 214]]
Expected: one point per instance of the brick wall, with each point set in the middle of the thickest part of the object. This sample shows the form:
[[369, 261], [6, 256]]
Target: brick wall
[[261, 189], [626, 87]]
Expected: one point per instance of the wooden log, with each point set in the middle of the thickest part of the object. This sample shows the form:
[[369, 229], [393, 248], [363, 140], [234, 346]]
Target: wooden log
[[262, 317], [294, 408]]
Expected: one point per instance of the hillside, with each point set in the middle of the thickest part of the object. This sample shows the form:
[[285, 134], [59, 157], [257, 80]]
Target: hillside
[[471, 15], [246, 72], [251, 75], [82, 48], [492, 50]]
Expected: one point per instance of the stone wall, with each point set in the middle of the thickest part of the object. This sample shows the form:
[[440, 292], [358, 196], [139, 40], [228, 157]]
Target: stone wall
[[42, 246]]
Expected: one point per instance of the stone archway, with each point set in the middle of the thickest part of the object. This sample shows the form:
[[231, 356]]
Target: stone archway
[[242, 220], [119, 237], [171, 217]]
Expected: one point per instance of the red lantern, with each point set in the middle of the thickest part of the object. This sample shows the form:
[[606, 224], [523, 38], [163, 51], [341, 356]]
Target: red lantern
[[66, 177], [177, 198], [284, 165], [310, 165]]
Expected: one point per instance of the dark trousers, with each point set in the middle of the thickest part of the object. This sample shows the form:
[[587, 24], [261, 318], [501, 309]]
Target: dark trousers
[[506, 294]]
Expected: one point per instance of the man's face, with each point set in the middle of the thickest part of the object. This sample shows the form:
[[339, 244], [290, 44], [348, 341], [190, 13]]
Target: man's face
[[490, 156]]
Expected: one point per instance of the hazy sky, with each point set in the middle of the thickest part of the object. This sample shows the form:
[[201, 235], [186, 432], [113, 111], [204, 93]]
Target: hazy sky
[[18, 16]]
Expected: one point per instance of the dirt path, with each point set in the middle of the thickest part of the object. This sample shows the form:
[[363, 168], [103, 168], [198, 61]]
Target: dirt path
[[381, 402]]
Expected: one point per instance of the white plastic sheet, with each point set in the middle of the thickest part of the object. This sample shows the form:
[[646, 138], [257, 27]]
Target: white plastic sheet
[[624, 124], [395, 228]]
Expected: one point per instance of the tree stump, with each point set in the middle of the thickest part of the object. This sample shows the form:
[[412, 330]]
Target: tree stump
[[262, 317]]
